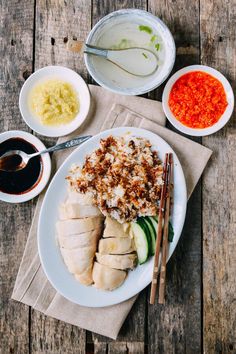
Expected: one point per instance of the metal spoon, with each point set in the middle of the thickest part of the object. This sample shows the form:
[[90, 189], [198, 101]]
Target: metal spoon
[[136, 61], [15, 160]]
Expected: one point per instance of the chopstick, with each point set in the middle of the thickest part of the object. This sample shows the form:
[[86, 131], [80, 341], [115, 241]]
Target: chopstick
[[159, 233], [161, 299], [164, 210]]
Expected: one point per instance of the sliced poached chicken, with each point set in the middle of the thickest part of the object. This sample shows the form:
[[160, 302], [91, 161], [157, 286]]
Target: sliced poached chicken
[[126, 261], [77, 226], [85, 239], [115, 245], [114, 229], [107, 278], [79, 198], [78, 260], [85, 278], [78, 232], [70, 210]]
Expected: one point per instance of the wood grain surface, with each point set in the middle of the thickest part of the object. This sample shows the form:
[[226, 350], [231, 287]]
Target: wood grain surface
[[200, 310], [218, 33], [16, 43]]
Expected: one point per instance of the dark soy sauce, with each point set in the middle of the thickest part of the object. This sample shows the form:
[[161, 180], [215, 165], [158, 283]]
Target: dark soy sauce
[[24, 180], [10, 163]]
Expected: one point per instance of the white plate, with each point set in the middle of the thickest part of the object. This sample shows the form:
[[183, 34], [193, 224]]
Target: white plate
[[20, 198], [49, 252], [45, 74], [223, 119]]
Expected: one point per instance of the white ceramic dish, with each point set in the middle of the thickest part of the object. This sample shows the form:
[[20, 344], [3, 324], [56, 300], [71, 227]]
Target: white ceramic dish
[[20, 198], [224, 118], [49, 252], [45, 74], [112, 77]]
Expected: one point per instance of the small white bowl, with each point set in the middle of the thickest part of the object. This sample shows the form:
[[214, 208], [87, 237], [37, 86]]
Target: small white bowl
[[46, 172], [112, 77], [193, 131], [45, 74]]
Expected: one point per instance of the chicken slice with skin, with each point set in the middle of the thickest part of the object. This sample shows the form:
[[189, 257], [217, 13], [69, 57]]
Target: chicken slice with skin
[[85, 239], [85, 278], [78, 232], [78, 260], [114, 229], [79, 198], [77, 226], [126, 261], [115, 245], [106, 278], [70, 210]]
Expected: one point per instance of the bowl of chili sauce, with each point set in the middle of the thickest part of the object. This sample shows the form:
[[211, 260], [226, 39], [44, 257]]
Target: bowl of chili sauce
[[198, 100], [23, 185]]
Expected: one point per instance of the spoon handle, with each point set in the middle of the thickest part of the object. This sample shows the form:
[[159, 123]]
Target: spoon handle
[[65, 145], [91, 49]]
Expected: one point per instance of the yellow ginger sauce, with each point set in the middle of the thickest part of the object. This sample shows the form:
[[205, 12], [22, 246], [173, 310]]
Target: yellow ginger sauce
[[54, 102]]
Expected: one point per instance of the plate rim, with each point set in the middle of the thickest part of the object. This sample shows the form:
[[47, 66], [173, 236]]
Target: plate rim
[[145, 284]]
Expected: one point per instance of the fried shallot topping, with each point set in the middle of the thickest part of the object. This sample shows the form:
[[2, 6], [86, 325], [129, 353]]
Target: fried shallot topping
[[124, 177]]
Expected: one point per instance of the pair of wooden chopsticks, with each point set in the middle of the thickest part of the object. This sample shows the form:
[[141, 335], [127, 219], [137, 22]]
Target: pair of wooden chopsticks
[[162, 232]]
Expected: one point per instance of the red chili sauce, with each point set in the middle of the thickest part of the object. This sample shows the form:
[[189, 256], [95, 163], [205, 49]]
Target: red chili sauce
[[197, 100]]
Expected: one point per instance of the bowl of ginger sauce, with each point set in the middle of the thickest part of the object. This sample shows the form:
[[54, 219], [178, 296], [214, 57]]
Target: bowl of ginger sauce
[[25, 184], [54, 101]]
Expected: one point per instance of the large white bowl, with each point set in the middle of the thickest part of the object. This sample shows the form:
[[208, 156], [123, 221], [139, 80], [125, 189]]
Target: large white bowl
[[49, 252], [100, 74], [64, 74], [193, 131], [20, 198]]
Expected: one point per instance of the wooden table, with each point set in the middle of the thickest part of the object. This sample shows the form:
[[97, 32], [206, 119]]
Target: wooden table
[[200, 311]]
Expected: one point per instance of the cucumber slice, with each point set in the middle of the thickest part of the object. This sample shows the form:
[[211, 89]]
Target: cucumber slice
[[154, 223], [170, 229], [141, 242], [152, 234], [145, 228]]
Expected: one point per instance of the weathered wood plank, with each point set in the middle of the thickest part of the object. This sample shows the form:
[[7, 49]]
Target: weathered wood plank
[[176, 326], [121, 348], [56, 23], [104, 7], [52, 336], [16, 43], [100, 347], [218, 37], [126, 348], [133, 329]]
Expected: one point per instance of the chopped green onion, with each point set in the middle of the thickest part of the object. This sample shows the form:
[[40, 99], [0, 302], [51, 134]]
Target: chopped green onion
[[153, 38], [146, 29]]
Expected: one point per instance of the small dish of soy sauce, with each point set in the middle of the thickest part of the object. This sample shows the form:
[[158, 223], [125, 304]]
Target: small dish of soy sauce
[[22, 185]]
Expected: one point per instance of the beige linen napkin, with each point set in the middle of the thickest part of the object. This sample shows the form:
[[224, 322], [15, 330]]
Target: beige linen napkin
[[32, 286]]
